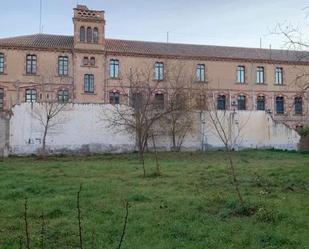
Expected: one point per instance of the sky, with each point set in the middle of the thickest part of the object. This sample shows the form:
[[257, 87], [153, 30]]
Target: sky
[[221, 22]]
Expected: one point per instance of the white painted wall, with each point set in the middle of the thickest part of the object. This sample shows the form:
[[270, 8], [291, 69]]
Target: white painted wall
[[83, 128]]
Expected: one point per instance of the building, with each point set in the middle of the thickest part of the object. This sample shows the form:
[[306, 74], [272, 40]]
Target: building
[[90, 68]]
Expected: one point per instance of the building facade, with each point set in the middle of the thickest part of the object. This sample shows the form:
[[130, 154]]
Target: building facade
[[90, 68]]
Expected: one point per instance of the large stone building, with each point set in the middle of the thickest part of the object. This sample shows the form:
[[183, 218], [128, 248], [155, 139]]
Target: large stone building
[[90, 68]]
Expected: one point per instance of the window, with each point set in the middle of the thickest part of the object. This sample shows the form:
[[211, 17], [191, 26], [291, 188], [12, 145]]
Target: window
[[86, 61], [260, 103], [89, 35], [1, 63], [114, 68], [30, 95], [89, 83], [137, 100], [221, 102], [279, 76], [241, 74], [200, 72], [260, 75], [1, 99], [31, 64], [114, 98], [92, 61], [159, 100], [63, 96], [201, 103], [159, 71], [95, 35], [63, 65], [298, 105], [82, 34], [279, 105], [241, 102]]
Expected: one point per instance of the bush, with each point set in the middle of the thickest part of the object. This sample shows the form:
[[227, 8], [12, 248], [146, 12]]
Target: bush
[[268, 215], [304, 131]]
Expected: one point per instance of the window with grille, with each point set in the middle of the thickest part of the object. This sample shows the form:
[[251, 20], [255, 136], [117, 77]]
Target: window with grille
[[63, 96], [31, 95]]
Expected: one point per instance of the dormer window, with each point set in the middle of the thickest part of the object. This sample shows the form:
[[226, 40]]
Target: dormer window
[[95, 35], [89, 35], [82, 34]]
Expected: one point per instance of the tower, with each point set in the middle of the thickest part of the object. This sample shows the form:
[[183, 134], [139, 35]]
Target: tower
[[89, 28]]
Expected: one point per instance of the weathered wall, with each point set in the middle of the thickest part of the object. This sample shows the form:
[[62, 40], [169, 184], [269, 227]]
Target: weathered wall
[[84, 128]]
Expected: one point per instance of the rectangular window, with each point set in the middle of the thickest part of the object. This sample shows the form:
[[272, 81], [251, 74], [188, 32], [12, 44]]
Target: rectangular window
[[31, 95], [279, 76], [63, 96], [137, 100], [221, 102], [241, 74], [114, 98], [241, 102], [260, 103], [114, 68], [89, 83], [260, 75], [1, 99], [159, 71], [298, 104], [200, 72], [63, 65], [31, 64], [1, 63], [159, 100]]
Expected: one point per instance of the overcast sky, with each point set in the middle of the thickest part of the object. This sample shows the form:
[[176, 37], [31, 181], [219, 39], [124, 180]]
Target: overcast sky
[[220, 22]]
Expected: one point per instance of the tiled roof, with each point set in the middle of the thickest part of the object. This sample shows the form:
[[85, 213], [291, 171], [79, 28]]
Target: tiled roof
[[39, 41], [160, 49]]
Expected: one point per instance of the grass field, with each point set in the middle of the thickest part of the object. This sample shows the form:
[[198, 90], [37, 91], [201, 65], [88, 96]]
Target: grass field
[[192, 206]]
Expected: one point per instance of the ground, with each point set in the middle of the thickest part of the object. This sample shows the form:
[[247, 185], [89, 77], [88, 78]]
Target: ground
[[192, 205]]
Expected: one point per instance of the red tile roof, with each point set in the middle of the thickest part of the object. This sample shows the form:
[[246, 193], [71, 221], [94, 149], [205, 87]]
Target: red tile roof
[[160, 49]]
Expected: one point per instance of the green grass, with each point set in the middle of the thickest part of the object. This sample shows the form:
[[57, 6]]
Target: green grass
[[192, 206]]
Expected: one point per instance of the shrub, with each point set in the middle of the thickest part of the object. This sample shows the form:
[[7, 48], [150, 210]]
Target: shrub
[[304, 131]]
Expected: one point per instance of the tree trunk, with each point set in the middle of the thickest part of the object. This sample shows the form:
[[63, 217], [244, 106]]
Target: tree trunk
[[44, 139], [156, 156]]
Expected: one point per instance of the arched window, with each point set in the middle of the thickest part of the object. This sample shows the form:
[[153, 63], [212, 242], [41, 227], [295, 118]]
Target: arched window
[[82, 34], [260, 103], [1, 99], [92, 61], [221, 102], [279, 105], [241, 102], [114, 98], [298, 105], [89, 35], [95, 35]]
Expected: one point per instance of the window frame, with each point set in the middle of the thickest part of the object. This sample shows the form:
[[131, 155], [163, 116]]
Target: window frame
[[63, 96], [92, 61], [260, 103], [88, 83], [1, 99], [89, 35], [201, 73], [260, 75], [159, 71], [298, 105], [95, 34], [279, 100], [221, 102], [159, 103], [114, 65], [31, 95], [31, 64], [82, 34], [2, 62], [114, 98], [63, 65], [241, 74], [241, 102], [279, 76]]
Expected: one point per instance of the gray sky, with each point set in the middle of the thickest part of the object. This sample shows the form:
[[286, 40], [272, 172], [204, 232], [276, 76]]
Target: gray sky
[[221, 22]]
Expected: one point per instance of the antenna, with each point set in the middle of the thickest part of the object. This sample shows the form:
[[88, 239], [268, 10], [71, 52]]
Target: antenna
[[167, 36], [260, 42], [40, 27]]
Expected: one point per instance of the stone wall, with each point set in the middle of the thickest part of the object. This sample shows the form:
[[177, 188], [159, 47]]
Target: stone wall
[[84, 128]]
